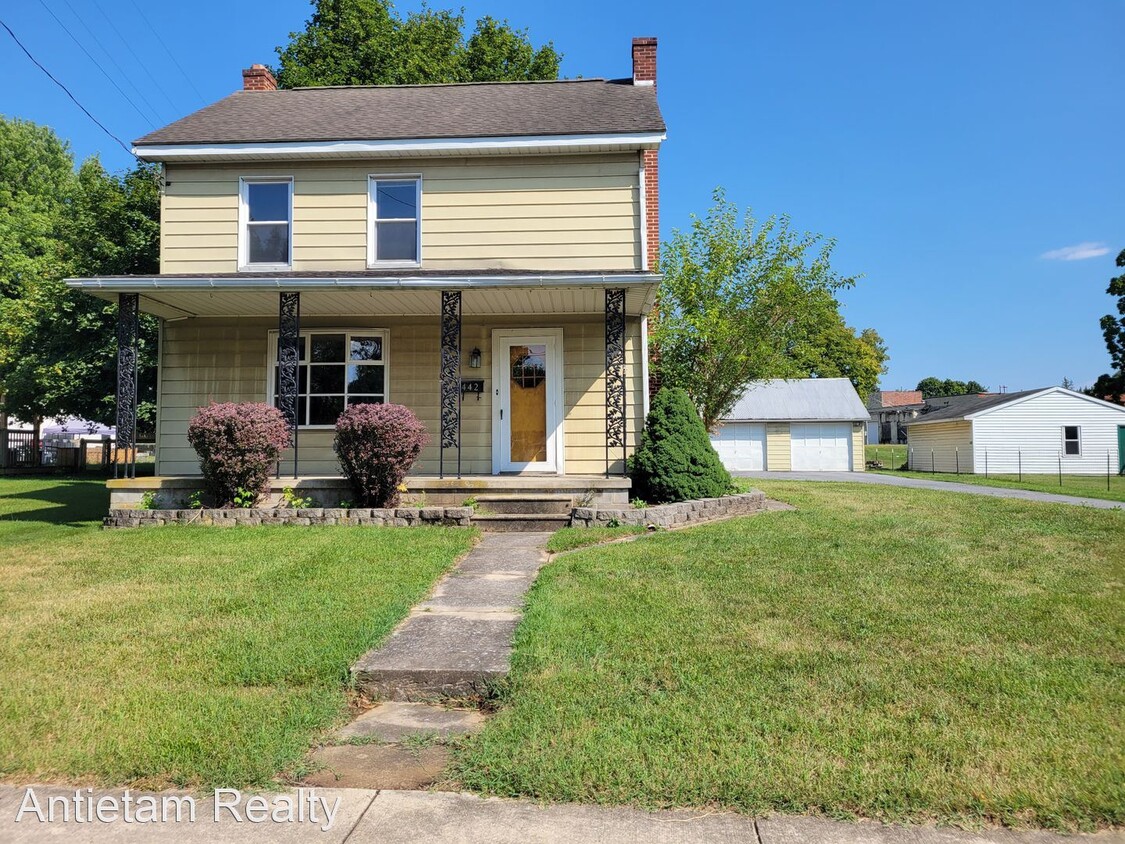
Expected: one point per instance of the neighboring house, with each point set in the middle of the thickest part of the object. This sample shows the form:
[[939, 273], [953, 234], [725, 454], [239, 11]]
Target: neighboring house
[[890, 411], [808, 424], [1033, 431], [481, 253]]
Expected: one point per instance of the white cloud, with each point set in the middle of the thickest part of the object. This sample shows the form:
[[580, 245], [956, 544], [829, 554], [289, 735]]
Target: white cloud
[[1077, 252]]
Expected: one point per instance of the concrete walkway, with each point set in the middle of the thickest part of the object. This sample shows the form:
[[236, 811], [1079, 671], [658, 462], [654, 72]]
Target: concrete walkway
[[944, 486], [390, 817]]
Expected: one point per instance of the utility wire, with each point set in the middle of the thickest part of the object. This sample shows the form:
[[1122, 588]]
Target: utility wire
[[128, 99], [136, 58], [126, 76], [171, 55], [66, 90]]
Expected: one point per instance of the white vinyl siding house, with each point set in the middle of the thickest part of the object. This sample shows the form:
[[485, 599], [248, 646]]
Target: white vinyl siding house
[[1027, 432]]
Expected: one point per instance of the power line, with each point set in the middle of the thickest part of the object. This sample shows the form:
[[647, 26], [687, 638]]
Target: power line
[[126, 76], [171, 55], [140, 62], [97, 64], [66, 90]]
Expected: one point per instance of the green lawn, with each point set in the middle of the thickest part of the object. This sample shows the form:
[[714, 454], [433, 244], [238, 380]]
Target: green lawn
[[891, 456], [185, 656], [892, 653], [1087, 486], [569, 538]]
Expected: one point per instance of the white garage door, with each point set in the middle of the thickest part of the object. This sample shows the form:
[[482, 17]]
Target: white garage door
[[741, 446], [821, 446]]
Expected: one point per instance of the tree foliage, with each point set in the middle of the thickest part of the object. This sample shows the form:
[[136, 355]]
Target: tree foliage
[[365, 42], [742, 301], [932, 387], [675, 460], [58, 355], [1111, 385]]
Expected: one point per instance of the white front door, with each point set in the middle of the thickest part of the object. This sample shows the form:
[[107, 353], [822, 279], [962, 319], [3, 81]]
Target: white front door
[[528, 408], [741, 446], [821, 446]]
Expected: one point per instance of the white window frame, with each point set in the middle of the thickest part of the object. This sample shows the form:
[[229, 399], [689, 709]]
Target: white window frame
[[373, 221], [1078, 440], [244, 182], [271, 363]]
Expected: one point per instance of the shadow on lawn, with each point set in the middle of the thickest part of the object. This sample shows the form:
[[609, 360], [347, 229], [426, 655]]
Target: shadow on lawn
[[72, 502]]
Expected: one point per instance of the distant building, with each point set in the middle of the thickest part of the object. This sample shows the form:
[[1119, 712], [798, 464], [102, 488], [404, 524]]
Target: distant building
[[890, 411]]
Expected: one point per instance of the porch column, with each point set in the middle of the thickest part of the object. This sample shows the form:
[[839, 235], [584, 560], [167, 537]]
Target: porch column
[[288, 363], [128, 316], [615, 376], [450, 377]]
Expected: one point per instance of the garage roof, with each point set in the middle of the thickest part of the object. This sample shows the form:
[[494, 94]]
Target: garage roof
[[799, 400]]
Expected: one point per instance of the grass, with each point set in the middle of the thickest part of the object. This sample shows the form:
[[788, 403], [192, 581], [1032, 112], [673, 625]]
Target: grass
[[883, 652], [891, 456], [1086, 486], [569, 538], [185, 656]]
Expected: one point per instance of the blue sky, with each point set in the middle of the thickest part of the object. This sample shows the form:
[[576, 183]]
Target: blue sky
[[947, 146]]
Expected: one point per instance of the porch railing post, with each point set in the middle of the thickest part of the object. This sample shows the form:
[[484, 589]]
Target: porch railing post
[[289, 363], [615, 434], [128, 316], [450, 377]]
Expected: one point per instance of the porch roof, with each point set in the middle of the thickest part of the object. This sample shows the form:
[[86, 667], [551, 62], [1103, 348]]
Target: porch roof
[[491, 292]]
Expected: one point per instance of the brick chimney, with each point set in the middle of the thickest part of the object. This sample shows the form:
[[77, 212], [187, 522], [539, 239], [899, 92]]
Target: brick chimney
[[644, 61], [258, 77]]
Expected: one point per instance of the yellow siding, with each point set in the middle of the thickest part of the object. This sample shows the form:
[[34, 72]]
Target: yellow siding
[[524, 212], [941, 447], [859, 455], [226, 360], [778, 453]]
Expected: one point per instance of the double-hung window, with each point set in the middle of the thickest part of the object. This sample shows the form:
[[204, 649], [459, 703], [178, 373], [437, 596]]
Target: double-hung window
[[265, 227], [1072, 441], [393, 221], [336, 369]]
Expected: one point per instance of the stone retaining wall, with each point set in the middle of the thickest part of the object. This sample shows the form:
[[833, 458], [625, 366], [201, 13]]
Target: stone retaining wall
[[389, 517], [668, 515]]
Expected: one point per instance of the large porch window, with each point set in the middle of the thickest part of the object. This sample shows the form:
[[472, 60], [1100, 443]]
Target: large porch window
[[336, 369]]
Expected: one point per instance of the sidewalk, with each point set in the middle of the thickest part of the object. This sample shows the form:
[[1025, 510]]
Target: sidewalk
[[391, 817]]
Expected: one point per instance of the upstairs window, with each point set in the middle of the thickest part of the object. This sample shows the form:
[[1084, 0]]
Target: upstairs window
[[336, 370], [1072, 440], [393, 231], [265, 239]]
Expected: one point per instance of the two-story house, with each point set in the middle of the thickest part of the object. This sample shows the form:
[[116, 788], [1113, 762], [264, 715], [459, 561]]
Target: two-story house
[[481, 253]]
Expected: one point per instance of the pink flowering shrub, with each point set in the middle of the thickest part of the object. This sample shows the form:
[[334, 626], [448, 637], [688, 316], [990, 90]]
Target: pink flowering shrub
[[238, 446], [376, 445]]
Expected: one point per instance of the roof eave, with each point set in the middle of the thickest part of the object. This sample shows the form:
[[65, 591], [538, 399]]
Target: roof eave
[[529, 144]]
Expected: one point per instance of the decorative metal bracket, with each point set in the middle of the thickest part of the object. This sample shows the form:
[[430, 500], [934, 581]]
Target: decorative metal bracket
[[128, 326], [289, 364], [615, 376], [450, 377]]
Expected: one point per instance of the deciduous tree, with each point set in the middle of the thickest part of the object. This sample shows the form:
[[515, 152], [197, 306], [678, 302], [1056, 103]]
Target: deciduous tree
[[932, 387], [1111, 385]]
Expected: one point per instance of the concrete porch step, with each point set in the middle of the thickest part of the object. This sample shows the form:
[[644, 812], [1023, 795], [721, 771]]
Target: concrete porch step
[[524, 504], [535, 522]]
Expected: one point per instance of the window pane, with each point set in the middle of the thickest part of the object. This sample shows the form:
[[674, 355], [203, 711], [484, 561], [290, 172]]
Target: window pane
[[365, 379], [367, 348], [328, 348], [354, 400], [1072, 447], [325, 410], [268, 202], [326, 379], [1070, 432], [396, 242], [396, 200], [269, 243]]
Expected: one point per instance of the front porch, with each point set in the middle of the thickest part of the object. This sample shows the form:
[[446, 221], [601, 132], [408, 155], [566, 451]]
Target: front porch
[[329, 491]]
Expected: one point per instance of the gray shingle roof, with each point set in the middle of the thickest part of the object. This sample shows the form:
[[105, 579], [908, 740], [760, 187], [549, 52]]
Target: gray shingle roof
[[800, 399], [951, 408], [399, 112]]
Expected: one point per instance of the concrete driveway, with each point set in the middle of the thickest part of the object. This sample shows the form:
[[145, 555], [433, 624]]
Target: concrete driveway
[[944, 486]]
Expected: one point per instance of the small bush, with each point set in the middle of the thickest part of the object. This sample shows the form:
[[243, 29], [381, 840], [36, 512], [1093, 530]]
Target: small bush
[[238, 445], [376, 445], [676, 461]]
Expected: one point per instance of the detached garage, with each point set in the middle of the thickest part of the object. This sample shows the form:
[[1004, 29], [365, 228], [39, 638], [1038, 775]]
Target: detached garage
[[808, 424]]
